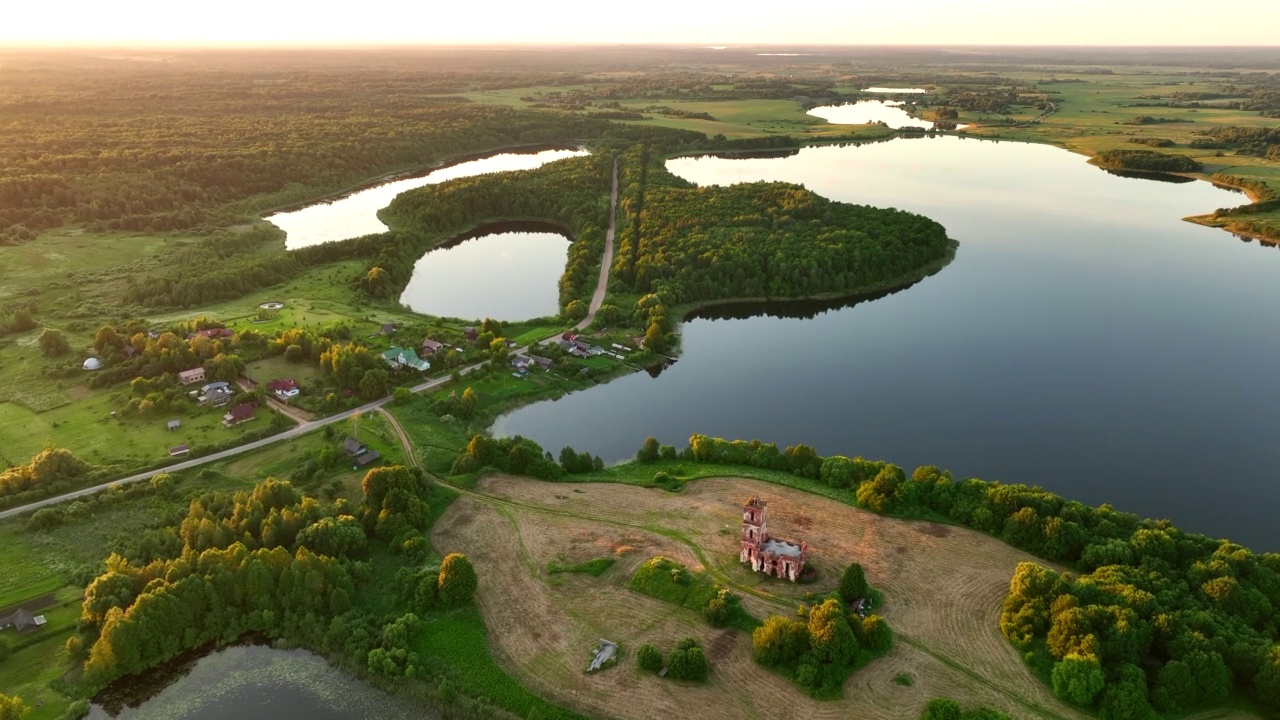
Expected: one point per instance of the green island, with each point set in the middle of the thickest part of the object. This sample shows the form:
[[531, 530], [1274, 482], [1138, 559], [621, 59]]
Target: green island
[[316, 487]]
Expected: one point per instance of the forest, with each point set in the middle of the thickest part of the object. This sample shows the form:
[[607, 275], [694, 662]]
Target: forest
[[277, 564], [1150, 618]]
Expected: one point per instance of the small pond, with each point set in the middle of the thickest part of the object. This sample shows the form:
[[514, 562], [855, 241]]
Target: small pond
[[865, 112], [504, 271], [253, 682], [356, 214]]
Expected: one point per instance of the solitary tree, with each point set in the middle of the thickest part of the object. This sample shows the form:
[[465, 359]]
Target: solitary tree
[[853, 584], [457, 584]]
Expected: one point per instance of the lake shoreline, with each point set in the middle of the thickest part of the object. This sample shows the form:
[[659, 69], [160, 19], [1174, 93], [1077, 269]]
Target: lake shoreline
[[420, 171]]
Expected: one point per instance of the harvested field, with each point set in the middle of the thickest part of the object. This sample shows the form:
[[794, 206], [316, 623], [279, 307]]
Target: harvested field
[[943, 587]]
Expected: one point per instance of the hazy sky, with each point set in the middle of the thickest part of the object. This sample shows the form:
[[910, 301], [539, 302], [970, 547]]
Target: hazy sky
[[1021, 22]]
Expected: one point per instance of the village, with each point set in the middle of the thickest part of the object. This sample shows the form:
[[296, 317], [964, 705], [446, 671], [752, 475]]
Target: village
[[205, 405]]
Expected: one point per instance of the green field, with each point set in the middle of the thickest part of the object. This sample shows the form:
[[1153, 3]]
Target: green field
[[88, 429]]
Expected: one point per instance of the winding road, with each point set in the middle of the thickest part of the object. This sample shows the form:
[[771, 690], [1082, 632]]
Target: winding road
[[305, 427]]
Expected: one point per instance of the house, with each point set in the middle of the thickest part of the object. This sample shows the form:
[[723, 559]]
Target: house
[[284, 388], [769, 555], [565, 345], [470, 333], [431, 347], [221, 384], [217, 397], [23, 621], [179, 451], [359, 454], [211, 333], [191, 377], [521, 362], [388, 329], [398, 357], [543, 362], [173, 425], [239, 414]]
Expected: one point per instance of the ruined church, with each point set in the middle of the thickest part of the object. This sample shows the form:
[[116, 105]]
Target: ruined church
[[769, 555]]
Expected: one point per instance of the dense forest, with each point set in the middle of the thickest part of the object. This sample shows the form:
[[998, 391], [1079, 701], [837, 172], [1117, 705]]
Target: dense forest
[[1150, 618], [193, 148], [1147, 160], [279, 564]]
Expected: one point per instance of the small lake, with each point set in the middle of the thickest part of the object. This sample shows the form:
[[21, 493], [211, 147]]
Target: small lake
[[865, 112], [356, 214], [507, 271], [896, 91], [1085, 339], [254, 682]]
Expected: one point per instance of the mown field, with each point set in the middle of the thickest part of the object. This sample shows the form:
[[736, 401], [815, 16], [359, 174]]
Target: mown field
[[943, 587]]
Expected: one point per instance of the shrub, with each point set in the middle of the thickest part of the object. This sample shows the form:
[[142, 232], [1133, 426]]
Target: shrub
[[649, 658], [687, 661], [853, 584]]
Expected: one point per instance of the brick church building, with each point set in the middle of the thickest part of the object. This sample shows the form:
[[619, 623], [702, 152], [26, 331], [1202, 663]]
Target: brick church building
[[769, 555]]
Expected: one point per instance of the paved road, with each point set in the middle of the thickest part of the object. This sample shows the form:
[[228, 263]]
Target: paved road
[[306, 427], [602, 285]]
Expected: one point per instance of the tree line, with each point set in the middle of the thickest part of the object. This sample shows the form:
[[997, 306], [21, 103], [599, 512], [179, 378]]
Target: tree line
[[1147, 160]]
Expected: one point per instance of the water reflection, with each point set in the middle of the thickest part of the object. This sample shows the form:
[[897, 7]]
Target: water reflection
[[865, 112], [356, 214], [504, 271], [1085, 339], [251, 682]]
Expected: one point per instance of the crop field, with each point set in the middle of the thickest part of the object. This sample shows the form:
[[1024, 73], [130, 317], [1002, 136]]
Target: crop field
[[943, 587]]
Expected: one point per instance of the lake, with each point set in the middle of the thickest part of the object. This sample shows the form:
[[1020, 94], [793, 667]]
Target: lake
[[1084, 339], [508, 271], [897, 91], [254, 682], [356, 214], [865, 112]]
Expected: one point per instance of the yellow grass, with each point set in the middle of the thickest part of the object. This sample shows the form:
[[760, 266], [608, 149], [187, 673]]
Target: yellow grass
[[943, 587]]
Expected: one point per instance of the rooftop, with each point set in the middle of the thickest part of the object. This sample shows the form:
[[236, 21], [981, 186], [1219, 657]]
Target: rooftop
[[780, 547]]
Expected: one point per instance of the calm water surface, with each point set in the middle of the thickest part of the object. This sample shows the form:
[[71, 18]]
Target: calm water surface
[[261, 683], [897, 91], [1084, 339], [504, 276], [357, 214], [865, 112]]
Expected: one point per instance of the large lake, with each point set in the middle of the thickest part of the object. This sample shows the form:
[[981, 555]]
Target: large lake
[[499, 275], [356, 214], [260, 683], [1084, 339]]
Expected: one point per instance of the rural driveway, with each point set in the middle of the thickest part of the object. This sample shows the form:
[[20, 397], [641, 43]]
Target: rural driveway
[[606, 262]]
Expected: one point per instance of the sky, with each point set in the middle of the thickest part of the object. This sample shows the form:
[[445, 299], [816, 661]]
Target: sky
[[711, 22]]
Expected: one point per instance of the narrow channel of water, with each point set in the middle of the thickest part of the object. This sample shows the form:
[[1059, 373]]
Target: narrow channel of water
[[356, 214], [1085, 339]]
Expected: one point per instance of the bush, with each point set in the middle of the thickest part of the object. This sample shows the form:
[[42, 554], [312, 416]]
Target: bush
[[687, 662], [853, 584], [649, 658]]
